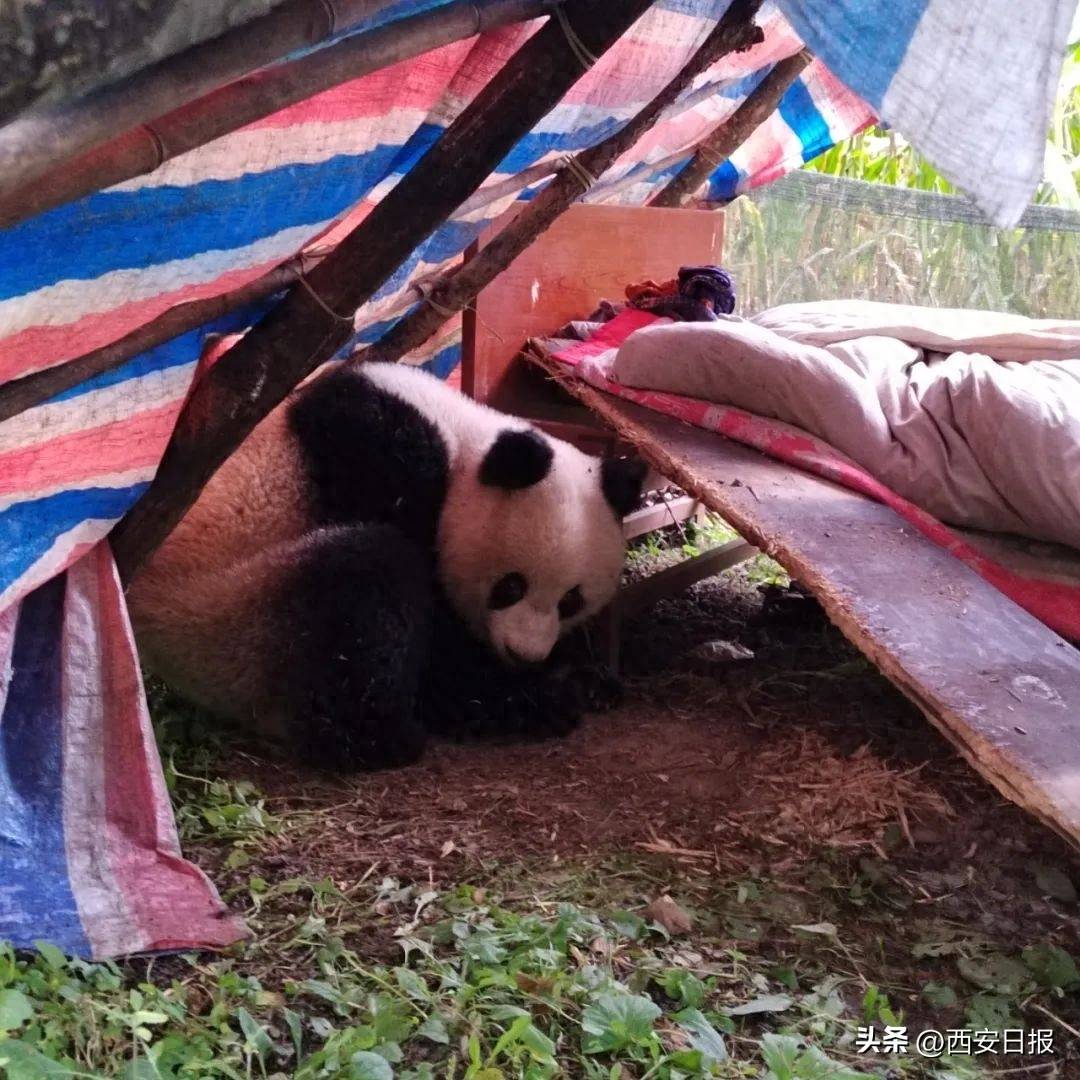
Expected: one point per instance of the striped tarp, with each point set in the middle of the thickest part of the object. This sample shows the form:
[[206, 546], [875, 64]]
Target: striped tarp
[[84, 274], [89, 858], [971, 84]]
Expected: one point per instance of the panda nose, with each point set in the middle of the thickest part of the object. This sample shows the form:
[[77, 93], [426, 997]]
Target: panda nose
[[518, 660]]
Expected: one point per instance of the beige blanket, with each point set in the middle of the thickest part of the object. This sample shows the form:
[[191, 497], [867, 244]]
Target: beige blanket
[[973, 415]]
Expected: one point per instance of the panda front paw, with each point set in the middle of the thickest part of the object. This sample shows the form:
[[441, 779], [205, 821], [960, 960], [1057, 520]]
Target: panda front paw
[[506, 704], [541, 707]]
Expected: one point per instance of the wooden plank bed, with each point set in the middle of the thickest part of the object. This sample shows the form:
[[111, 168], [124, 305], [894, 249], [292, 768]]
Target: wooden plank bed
[[1001, 686], [1004, 688]]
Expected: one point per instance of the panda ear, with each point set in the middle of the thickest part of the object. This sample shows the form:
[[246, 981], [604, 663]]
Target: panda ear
[[517, 459], [621, 480]]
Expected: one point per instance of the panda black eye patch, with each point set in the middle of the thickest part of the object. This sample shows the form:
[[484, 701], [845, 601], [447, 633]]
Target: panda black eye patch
[[571, 603], [507, 591]]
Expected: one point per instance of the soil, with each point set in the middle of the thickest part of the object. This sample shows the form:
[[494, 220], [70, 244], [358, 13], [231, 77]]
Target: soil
[[715, 767], [755, 754]]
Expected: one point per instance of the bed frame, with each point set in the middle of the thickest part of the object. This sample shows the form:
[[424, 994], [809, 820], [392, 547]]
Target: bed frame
[[1001, 686], [589, 252]]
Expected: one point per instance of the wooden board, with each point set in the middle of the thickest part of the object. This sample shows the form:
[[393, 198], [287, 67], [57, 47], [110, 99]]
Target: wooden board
[[589, 253], [1001, 686]]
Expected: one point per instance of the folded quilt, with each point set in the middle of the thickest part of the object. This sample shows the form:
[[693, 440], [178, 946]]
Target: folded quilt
[[973, 416]]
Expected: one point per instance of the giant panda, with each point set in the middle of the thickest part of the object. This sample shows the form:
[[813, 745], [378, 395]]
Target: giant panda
[[381, 558]]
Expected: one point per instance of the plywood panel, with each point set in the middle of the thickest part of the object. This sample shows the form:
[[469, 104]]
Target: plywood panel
[[589, 253], [1004, 688]]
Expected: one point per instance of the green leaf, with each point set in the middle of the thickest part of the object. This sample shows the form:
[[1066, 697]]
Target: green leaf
[[767, 1003], [51, 954], [703, 1036], [511, 1035], [780, 1053], [1055, 883], [785, 976], [1053, 967], [615, 1021], [148, 1016], [296, 1030], [21, 1062], [683, 986], [141, 1068], [390, 1018], [365, 1065], [434, 1028], [628, 925], [940, 995], [788, 1058], [411, 983], [538, 1044], [15, 1009], [1000, 974], [254, 1034], [990, 1013]]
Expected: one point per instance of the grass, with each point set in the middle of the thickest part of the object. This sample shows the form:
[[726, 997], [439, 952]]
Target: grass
[[692, 538], [782, 250], [531, 985], [525, 967]]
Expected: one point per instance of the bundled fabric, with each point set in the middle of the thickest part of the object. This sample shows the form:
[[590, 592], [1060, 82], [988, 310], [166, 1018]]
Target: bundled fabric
[[973, 415], [885, 400], [696, 295]]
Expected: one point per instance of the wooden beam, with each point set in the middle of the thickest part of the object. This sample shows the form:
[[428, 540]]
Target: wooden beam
[[736, 31], [714, 150], [316, 319], [18, 395], [650, 518], [641, 595], [36, 167], [56, 51], [1001, 686]]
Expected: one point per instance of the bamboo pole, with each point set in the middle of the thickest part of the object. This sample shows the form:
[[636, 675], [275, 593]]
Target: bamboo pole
[[735, 31], [144, 148], [18, 395], [316, 318], [714, 150], [45, 137], [39, 179]]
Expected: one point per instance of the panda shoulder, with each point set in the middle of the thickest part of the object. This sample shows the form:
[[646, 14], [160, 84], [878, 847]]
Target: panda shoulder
[[462, 422]]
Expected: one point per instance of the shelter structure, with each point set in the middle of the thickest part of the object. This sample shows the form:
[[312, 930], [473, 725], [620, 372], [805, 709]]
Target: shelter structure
[[195, 213]]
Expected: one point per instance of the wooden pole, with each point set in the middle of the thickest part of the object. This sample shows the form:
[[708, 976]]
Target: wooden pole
[[39, 178], [714, 150], [18, 395], [45, 137], [735, 31], [316, 318]]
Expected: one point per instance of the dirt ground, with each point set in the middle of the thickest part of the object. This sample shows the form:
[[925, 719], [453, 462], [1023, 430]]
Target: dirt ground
[[718, 765], [796, 767]]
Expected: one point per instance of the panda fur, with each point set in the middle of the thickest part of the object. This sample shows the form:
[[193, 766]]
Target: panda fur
[[381, 558]]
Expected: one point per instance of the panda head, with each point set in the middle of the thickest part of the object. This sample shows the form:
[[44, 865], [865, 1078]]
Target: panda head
[[531, 540]]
